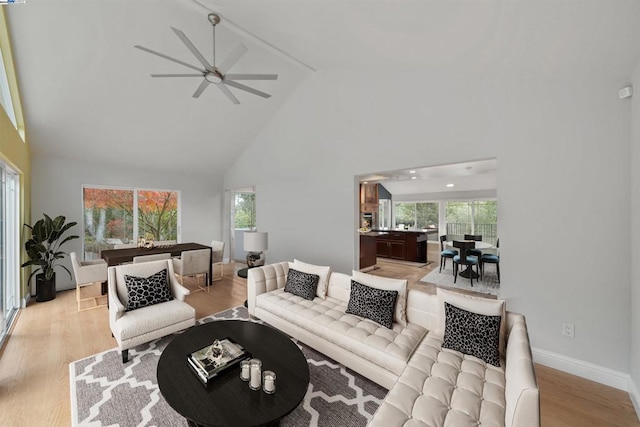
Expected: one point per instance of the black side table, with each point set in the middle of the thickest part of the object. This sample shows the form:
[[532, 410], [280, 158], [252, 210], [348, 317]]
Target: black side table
[[243, 272]]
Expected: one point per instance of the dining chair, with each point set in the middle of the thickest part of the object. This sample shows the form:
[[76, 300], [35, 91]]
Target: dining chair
[[465, 259], [193, 263], [491, 259], [445, 253], [147, 258], [88, 273], [477, 238], [217, 258]]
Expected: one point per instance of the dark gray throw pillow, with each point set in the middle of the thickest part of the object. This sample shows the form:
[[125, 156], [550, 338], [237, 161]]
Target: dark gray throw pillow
[[472, 333], [146, 291], [372, 303], [302, 284]]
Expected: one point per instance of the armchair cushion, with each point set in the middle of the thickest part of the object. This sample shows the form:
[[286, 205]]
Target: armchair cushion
[[145, 291]]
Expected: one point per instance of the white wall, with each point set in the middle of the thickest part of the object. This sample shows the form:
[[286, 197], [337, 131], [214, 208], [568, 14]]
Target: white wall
[[635, 239], [57, 190], [563, 184]]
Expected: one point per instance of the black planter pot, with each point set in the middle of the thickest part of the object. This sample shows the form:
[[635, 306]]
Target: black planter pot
[[45, 289]]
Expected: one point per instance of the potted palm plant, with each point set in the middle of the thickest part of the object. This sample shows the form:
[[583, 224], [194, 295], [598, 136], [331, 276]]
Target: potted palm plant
[[43, 250]]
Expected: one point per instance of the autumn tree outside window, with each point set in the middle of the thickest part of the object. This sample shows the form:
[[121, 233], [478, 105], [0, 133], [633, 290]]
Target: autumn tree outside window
[[113, 216]]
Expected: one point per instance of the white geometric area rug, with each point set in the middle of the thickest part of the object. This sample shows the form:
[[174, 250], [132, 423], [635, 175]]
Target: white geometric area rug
[[106, 392], [488, 285]]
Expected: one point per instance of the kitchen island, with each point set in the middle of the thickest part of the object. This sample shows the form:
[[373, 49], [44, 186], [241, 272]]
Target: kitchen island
[[406, 245]]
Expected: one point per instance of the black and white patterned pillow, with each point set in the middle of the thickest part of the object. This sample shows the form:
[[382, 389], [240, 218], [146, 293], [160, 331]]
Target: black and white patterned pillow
[[372, 303], [145, 291], [472, 333], [302, 284]]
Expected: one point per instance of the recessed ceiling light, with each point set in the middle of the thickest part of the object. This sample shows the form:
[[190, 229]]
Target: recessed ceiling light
[[449, 185], [412, 171], [414, 177], [365, 182]]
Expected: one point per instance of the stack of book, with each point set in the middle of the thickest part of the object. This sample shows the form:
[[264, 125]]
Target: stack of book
[[210, 361]]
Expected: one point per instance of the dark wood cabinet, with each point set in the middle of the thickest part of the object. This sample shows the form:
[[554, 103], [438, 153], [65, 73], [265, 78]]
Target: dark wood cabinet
[[367, 251], [405, 245], [391, 245], [397, 249], [382, 248], [368, 197]]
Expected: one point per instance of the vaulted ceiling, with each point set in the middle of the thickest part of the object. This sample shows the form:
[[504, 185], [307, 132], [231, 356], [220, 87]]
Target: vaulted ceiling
[[87, 92]]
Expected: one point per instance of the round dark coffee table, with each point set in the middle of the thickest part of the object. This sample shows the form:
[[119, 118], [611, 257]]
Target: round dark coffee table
[[228, 401]]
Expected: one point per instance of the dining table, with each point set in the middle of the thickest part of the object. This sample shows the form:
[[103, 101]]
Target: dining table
[[125, 255], [468, 272]]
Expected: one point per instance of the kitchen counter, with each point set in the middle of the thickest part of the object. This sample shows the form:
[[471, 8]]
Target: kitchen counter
[[407, 245]]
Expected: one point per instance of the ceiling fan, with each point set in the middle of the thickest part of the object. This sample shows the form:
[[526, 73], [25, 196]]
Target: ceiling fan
[[212, 73]]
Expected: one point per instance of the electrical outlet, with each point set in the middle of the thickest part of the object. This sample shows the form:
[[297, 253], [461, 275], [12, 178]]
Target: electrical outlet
[[568, 330]]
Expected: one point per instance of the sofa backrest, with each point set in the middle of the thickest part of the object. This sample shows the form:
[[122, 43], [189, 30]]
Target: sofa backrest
[[422, 309]]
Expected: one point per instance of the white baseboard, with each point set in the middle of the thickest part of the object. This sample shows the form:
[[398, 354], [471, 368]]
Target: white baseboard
[[634, 394], [583, 369], [25, 300]]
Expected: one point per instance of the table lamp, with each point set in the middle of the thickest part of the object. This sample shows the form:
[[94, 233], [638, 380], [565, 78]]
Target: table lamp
[[255, 242]]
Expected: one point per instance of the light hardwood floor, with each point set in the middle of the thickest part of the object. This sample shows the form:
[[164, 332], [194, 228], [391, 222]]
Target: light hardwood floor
[[34, 375]]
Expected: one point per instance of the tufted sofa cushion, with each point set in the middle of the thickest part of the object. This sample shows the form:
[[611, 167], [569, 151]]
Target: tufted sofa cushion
[[442, 387], [326, 318]]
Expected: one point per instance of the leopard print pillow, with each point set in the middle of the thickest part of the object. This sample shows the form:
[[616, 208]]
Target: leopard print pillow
[[302, 284], [145, 291], [372, 303], [472, 333]]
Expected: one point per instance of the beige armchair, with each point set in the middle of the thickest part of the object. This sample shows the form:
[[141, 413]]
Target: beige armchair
[[217, 257], [193, 263], [135, 327], [88, 273]]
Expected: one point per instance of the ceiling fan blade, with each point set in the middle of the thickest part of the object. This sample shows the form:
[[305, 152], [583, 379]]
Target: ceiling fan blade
[[193, 49], [176, 75], [251, 76], [201, 88], [162, 55], [247, 89], [227, 92], [232, 58]]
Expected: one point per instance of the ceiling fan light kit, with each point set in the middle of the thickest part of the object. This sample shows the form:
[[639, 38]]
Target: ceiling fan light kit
[[210, 72]]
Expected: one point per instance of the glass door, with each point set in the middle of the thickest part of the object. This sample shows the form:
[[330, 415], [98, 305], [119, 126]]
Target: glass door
[[9, 249]]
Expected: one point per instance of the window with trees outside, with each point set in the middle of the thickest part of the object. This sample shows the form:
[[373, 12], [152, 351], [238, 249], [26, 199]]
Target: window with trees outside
[[416, 215], [245, 211], [478, 217], [115, 216]]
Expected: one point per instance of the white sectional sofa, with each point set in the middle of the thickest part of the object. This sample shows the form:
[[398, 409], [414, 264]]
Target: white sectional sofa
[[428, 385]]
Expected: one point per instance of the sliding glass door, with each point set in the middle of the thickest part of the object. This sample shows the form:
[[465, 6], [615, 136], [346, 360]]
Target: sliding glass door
[[9, 249]]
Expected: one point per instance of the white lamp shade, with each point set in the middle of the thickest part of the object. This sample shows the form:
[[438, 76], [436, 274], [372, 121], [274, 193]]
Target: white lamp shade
[[255, 241]]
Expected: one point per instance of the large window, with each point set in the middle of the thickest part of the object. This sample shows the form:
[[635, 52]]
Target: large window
[[245, 211], [479, 217], [416, 215], [109, 217]]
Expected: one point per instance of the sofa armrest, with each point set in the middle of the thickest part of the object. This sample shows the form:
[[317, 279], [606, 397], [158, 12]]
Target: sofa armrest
[[265, 279], [521, 392]]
